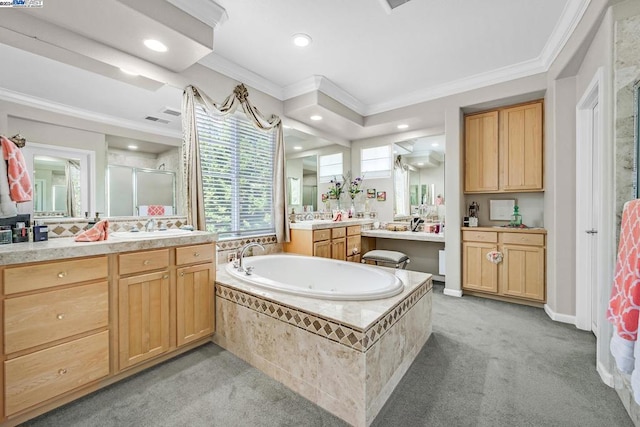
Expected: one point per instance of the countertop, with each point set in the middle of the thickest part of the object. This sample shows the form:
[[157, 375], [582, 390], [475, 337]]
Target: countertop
[[404, 235], [320, 224], [67, 247], [534, 230]]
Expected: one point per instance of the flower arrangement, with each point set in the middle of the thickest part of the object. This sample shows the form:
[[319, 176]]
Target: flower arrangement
[[354, 187], [337, 187]]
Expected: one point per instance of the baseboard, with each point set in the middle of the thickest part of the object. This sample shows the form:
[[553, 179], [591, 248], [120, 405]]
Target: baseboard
[[453, 292], [562, 318], [438, 278], [605, 375]]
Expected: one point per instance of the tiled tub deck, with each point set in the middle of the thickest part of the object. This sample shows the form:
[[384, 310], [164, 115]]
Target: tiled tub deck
[[345, 356]]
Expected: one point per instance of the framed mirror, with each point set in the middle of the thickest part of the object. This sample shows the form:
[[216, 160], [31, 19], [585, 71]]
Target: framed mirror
[[140, 192]]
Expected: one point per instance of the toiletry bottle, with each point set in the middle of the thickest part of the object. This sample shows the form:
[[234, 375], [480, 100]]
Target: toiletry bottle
[[516, 218]]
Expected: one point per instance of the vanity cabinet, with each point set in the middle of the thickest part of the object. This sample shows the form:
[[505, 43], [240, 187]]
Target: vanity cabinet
[[340, 242], [503, 150], [55, 328], [521, 273]]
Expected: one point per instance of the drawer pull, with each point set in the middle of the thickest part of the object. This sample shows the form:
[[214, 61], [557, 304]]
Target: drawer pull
[[166, 276], [62, 274], [146, 262], [60, 316], [62, 371], [182, 274], [196, 254]]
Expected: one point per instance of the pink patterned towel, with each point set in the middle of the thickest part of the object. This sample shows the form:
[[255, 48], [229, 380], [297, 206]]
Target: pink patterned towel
[[20, 189], [98, 232]]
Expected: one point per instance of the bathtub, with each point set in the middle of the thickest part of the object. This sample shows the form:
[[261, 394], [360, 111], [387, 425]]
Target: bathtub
[[316, 277]]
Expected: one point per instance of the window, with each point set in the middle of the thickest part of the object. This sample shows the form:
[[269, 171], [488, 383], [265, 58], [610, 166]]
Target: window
[[237, 175], [330, 166], [376, 162]]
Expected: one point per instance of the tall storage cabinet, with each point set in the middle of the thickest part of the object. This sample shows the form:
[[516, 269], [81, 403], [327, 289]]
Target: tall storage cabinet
[[503, 150]]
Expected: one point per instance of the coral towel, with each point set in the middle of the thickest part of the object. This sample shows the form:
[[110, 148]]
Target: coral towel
[[155, 210], [20, 188], [100, 231], [624, 304]]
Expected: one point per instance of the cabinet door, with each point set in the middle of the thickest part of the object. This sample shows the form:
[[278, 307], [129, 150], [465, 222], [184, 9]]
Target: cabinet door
[[481, 152], [521, 145], [194, 298], [478, 273], [522, 272], [322, 249], [143, 313], [339, 249], [354, 246]]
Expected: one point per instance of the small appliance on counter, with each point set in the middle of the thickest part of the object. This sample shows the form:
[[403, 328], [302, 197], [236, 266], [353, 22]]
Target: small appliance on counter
[[415, 223], [472, 220], [40, 231]]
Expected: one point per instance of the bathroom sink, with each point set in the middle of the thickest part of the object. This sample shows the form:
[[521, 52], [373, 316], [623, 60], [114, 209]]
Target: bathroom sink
[[129, 235]]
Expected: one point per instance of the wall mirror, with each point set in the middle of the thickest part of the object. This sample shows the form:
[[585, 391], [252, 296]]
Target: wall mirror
[[62, 178], [419, 178], [140, 192], [636, 134]]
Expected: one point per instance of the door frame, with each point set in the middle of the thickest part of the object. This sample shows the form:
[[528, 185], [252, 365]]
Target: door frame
[[597, 92]]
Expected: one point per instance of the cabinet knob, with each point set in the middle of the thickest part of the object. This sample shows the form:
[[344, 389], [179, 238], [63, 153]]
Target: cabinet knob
[[182, 274], [60, 316], [196, 254], [146, 262], [166, 276], [62, 274], [62, 371]]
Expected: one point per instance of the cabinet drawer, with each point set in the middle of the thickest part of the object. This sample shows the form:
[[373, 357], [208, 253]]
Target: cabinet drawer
[[339, 232], [39, 376], [50, 274], [321, 235], [352, 230], [523, 239], [143, 261], [196, 253], [48, 316], [480, 236]]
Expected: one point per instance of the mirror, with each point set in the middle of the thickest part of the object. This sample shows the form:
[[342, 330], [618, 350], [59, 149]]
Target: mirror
[[61, 179], [140, 192], [636, 133], [419, 178]]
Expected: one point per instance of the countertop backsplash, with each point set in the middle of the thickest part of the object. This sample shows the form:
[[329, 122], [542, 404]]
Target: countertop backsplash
[[69, 227]]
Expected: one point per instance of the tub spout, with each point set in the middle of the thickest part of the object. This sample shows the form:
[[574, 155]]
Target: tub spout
[[243, 250]]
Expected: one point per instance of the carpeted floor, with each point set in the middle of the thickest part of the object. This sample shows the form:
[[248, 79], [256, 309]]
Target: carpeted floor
[[487, 363]]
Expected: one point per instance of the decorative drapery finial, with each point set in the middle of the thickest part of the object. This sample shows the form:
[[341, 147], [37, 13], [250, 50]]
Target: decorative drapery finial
[[19, 140], [241, 92]]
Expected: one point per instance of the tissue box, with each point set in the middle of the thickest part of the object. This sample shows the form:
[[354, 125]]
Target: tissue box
[[40, 233]]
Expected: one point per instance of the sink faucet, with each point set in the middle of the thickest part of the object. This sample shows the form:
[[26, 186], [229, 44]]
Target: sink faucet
[[150, 224], [243, 250]]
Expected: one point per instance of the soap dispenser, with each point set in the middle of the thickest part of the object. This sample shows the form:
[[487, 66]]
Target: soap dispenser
[[516, 218]]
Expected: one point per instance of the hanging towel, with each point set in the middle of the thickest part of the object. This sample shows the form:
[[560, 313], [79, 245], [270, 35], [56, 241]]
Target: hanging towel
[[624, 304], [100, 231], [20, 188], [7, 206], [154, 210]]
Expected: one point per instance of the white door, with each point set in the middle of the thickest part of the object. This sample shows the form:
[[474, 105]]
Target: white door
[[593, 214]]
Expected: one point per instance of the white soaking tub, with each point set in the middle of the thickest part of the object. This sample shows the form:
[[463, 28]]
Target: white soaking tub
[[321, 278]]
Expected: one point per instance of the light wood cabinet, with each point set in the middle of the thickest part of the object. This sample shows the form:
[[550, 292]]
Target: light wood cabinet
[[340, 242], [521, 273], [194, 300], [503, 150]]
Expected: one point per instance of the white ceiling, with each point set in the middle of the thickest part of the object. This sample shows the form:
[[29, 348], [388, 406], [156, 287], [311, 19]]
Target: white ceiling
[[370, 61]]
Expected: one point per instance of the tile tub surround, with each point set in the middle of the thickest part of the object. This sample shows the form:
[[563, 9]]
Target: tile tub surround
[[346, 357], [67, 247], [226, 247]]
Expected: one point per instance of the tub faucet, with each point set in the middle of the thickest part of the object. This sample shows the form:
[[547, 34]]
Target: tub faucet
[[150, 224], [243, 250]]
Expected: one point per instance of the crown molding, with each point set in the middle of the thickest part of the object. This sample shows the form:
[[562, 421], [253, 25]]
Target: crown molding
[[54, 107], [571, 15], [241, 74], [326, 86], [207, 11]]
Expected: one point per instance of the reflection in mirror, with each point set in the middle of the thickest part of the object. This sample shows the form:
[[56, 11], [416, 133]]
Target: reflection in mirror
[[636, 133], [143, 192], [419, 178], [61, 180]]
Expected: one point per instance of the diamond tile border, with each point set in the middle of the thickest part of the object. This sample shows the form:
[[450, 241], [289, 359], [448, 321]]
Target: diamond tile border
[[72, 227], [329, 329]]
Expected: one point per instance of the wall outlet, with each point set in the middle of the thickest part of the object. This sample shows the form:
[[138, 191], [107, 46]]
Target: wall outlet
[[231, 256]]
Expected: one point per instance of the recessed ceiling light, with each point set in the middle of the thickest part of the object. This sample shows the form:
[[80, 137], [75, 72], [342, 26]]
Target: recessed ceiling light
[[131, 73], [132, 147], [297, 147], [420, 164], [435, 144], [301, 40], [155, 45], [316, 118], [403, 126]]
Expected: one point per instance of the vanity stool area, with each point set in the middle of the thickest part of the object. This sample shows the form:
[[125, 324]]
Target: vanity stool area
[[80, 316]]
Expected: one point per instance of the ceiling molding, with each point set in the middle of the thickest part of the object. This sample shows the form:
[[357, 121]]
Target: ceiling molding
[[54, 107], [569, 20], [207, 11], [326, 86], [242, 75]]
